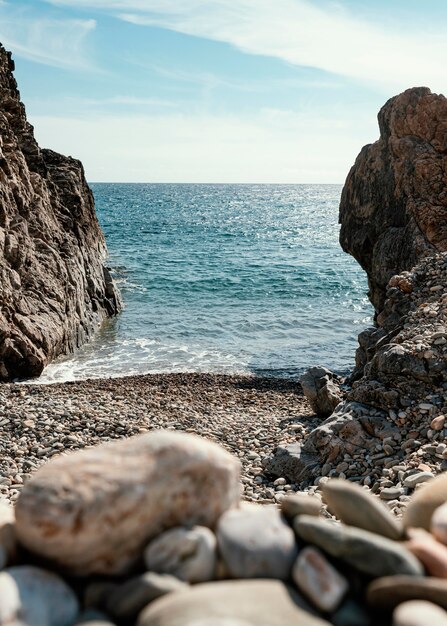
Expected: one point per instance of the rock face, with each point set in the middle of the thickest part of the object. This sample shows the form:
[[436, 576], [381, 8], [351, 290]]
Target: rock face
[[95, 510], [54, 288], [393, 215], [394, 204]]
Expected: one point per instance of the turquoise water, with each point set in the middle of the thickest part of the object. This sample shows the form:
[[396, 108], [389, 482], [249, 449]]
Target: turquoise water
[[224, 278]]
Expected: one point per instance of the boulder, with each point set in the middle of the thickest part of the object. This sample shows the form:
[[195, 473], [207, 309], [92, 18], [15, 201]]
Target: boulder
[[95, 510], [321, 390]]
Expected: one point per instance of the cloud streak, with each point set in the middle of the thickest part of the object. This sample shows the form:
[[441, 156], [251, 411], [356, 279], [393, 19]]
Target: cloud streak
[[54, 42], [298, 32]]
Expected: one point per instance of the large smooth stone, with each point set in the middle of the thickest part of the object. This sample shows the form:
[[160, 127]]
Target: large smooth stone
[[387, 593], [95, 510], [419, 613], [8, 547], [256, 542], [319, 580], [321, 391], [126, 601], [300, 504], [431, 553], [357, 507], [369, 553], [31, 596], [187, 553], [231, 603], [425, 501], [438, 523]]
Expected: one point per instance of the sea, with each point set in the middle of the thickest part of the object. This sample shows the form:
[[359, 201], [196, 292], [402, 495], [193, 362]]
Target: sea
[[224, 278]]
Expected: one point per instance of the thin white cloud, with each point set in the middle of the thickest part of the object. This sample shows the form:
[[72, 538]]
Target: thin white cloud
[[297, 31], [55, 42], [122, 100], [273, 146]]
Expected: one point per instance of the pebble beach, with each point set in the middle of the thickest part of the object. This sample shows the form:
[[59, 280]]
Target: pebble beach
[[248, 416]]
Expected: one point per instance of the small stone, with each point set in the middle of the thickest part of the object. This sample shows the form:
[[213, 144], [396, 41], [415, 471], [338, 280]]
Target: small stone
[[438, 524], [367, 552], [419, 613], [127, 600], [300, 504], [31, 596], [426, 406], [431, 553], [104, 504], [438, 422], [388, 592], [357, 507], [319, 580], [186, 553], [279, 482], [231, 603], [390, 493], [416, 479], [256, 542], [425, 501]]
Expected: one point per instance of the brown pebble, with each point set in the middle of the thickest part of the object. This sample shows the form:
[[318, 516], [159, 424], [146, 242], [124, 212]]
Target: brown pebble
[[431, 553], [438, 422]]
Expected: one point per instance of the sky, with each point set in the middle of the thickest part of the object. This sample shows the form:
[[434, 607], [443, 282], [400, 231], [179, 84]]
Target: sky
[[243, 91]]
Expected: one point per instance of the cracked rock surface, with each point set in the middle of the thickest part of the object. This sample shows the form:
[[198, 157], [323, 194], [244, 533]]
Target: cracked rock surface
[[54, 287]]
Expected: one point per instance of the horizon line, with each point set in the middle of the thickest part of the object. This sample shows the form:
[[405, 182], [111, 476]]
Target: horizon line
[[117, 182]]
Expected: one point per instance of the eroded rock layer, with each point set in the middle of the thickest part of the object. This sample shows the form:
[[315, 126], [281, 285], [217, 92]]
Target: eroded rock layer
[[394, 222], [54, 287], [394, 204]]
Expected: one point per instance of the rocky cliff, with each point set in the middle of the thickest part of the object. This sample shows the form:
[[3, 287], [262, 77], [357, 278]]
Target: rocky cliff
[[394, 222], [54, 287], [394, 204]]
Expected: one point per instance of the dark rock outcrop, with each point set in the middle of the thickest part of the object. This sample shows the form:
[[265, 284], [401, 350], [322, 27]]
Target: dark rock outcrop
[[54, 288], [393, 208], [394, 222]]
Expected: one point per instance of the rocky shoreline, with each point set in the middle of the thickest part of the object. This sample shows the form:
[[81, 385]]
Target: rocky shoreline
[[248, 416], [121, 511]]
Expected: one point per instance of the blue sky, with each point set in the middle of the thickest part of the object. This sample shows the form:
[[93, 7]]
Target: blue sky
[[267, 91]]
